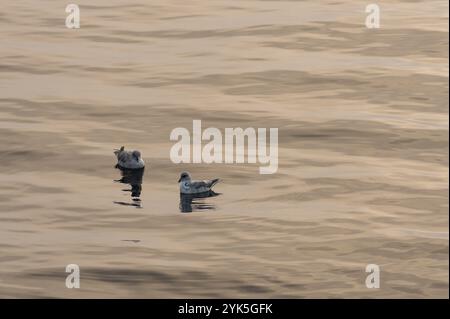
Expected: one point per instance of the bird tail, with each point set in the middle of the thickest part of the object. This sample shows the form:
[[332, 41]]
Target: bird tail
[[213, 182], [117, 151]]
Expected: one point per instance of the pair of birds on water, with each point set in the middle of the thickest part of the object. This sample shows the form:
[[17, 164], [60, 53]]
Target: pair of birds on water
[[133, 160]]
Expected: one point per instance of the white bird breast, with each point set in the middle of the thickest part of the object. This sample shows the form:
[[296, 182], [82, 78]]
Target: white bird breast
[[184, 185]]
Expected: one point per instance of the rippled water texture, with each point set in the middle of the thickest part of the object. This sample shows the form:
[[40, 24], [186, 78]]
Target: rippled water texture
[[363, 143]]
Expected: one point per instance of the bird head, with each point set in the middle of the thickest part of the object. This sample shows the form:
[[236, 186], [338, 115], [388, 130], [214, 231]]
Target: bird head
[[184, 177], [136, 155]]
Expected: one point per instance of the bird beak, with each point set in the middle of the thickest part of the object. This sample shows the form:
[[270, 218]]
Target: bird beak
[[179, 180]]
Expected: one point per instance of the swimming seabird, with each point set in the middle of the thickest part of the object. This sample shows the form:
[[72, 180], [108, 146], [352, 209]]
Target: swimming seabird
[[188, 186], [129, 159]]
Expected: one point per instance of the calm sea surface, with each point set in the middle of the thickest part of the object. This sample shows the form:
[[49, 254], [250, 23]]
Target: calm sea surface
[[363, 148]]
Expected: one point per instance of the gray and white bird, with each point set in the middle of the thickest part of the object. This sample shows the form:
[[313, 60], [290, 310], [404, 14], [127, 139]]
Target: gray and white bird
[[188, 186], [129, 159]]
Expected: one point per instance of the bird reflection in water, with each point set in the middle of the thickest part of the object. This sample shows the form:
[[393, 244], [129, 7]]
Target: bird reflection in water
[[191, 202], [134, 179]]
